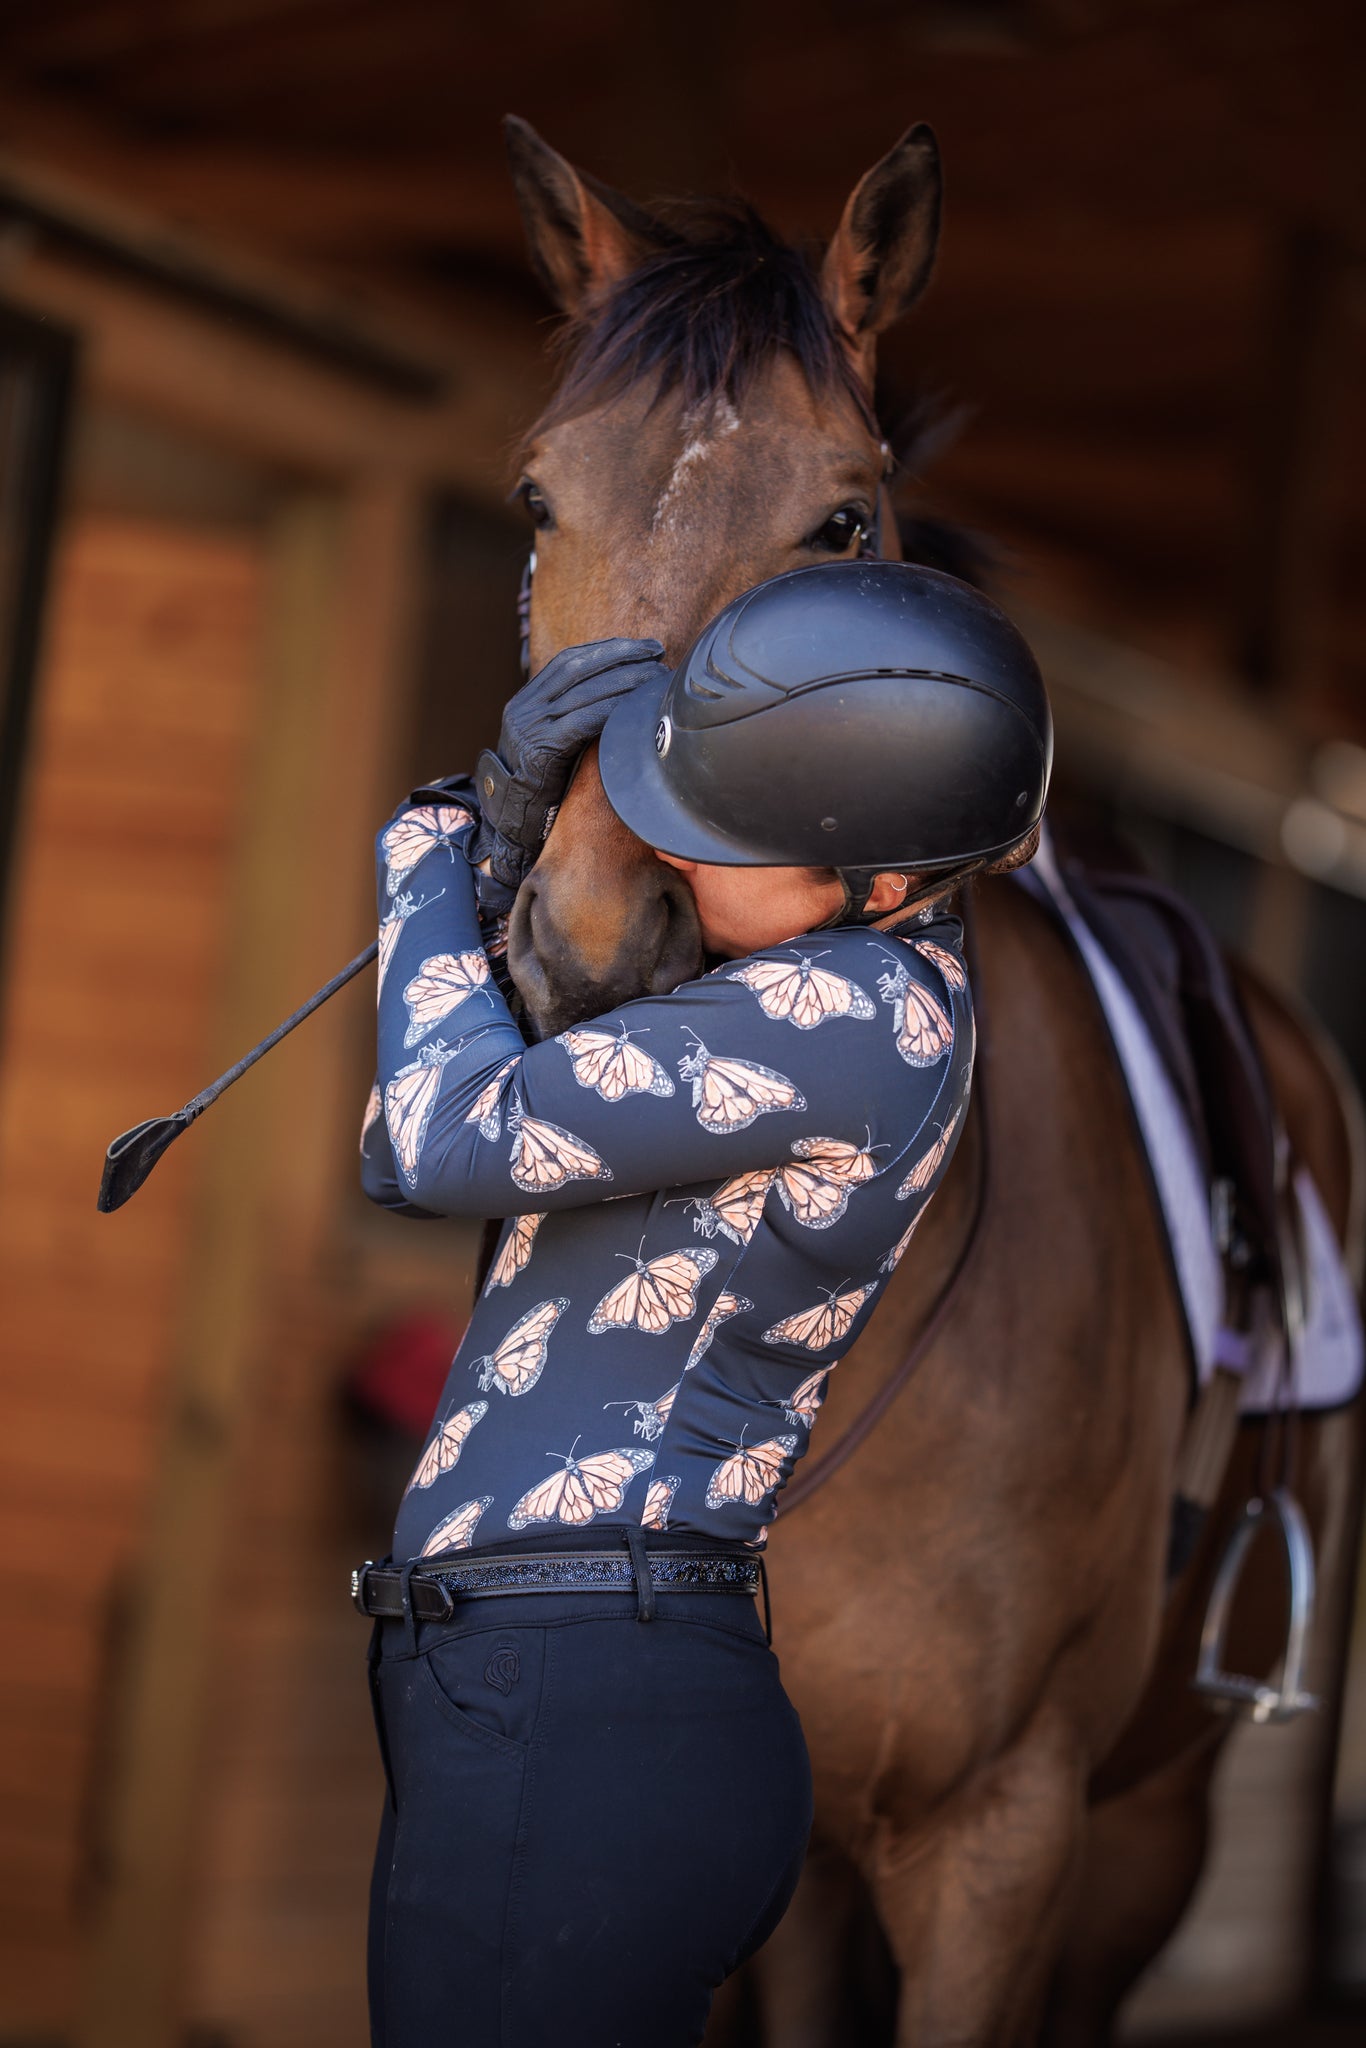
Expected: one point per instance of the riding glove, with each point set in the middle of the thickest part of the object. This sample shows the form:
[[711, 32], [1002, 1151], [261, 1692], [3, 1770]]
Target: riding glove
[[546, 727]]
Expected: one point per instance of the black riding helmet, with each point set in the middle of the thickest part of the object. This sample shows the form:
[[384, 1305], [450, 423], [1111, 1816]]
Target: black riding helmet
[[861, 716]]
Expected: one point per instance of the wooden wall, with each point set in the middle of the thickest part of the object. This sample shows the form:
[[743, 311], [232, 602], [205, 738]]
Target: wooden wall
[[133, 812]]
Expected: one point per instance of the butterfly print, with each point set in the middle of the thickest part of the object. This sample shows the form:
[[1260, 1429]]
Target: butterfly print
[[373, 1106], [924, 1032], [514, 1251], [518, 1362], [736, 1206], [440, 985], [610, 1063], [409, 1101], [729, 1094], [544, 1156], [445, 1447], [757, 1542], [587, 1487], [660, 1293], [416, 834], [402, 909], [823, 1325], [926, 1167], [750, 1473], [658, 1501], [457, 1530], [889, 1262], [949, 964], [488, 1104], [803, 1403], [721, 1310], [817, 1190], [803, 994], [652, 1415]]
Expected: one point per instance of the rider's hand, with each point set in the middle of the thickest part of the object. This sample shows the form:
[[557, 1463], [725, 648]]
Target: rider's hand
[[546, 726]]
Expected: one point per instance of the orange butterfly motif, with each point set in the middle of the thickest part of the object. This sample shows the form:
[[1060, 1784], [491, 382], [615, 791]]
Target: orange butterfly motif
[[445, 1447], [803, 1403], [416, 834], [736, 1206], [610, 1063], [803, 994], [889, 1262], [757, 1542], [457, 1531], [488, 1109], [751, 1472], [544, 1156], [722, 1309], [587, 1487], [823, 1325], [514, 1251], [660, 1293], [409, 1100], [402, 909], [949, 964], [926, 1167], [652, 1415], [817, 1191], [518, 1362], [658, 1501], [924, 1032], [373, 1106], [729, 1094], [440, 985]]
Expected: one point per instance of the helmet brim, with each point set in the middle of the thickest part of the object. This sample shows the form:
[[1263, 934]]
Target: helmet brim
[[633, 781]]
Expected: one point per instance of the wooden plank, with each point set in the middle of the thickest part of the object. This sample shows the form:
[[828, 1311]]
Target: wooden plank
[[339, 605]]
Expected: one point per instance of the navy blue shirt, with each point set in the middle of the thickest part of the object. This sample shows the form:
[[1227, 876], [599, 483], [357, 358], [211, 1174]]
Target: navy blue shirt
[[706, 1193]]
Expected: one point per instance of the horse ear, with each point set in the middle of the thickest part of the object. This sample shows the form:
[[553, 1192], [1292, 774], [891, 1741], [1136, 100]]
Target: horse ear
[[583, 235], [880, 259]]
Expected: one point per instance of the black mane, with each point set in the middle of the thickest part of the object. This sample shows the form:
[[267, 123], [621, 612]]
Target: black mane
[[702, 317]]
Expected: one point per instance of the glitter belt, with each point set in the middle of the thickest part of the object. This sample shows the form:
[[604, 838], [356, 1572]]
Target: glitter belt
[[435, 1588]]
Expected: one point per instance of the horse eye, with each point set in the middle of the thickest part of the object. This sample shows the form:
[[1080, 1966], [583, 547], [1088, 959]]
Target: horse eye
[[841, 531], [533, 498]]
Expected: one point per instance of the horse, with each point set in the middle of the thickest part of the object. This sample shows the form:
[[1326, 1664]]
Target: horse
[[972, 1612]]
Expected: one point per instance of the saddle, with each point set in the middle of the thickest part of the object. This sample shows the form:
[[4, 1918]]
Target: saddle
[[1236, 1209]]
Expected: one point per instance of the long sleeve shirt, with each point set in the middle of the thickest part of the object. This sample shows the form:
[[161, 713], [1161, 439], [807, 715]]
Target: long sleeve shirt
[[705, 1194]]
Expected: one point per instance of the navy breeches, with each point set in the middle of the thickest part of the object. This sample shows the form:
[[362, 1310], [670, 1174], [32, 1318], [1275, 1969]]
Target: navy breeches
[[593, 1819]]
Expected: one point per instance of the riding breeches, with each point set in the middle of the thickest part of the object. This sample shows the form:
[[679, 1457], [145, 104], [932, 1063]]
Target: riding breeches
[[592, 1820]]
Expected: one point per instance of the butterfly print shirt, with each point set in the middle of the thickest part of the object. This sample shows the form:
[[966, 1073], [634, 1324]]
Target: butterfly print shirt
[[705, 1193]]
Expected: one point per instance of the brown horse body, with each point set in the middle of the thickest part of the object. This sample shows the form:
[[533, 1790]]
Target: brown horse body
[[971, 1614]]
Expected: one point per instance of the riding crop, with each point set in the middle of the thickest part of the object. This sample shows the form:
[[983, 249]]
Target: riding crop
[[132, 1155]]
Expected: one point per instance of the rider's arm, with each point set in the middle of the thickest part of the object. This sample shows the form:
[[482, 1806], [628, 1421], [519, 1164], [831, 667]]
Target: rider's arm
[[479, 1123]]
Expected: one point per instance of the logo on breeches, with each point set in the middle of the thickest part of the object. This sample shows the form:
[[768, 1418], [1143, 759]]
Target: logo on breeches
[[503, 1670]]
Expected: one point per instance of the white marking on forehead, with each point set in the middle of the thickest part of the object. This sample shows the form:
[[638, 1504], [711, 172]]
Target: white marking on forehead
[[702, 426]]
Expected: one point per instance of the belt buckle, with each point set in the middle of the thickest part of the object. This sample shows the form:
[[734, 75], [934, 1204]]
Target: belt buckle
[[358, 1587]]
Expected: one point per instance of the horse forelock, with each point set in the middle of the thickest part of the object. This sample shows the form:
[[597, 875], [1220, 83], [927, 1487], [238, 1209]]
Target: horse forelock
[[703, 317]]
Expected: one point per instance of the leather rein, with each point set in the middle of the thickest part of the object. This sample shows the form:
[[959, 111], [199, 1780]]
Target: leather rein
[[814, 1476]]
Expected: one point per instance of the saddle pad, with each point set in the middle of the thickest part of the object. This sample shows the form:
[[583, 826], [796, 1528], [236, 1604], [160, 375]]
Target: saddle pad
[[1328, 1351]]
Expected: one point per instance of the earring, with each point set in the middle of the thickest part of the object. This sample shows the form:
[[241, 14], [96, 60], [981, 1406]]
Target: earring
[[900, 883]]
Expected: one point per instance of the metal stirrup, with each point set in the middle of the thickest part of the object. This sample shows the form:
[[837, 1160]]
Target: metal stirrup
[[1233, 1690]]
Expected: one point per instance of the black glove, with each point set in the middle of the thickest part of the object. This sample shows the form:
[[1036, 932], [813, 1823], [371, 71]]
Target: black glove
[[546, 726]]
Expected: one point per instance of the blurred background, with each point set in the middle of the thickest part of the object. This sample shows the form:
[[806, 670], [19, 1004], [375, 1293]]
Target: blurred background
[[267, 336]]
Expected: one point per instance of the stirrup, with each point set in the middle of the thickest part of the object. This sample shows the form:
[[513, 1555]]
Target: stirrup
[[1230, 1689]]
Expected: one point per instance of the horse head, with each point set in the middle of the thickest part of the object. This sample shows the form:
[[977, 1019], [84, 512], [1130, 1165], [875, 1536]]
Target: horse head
[[713, 426]]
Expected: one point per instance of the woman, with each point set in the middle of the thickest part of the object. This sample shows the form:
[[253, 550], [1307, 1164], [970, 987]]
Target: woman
[[592, 1822]]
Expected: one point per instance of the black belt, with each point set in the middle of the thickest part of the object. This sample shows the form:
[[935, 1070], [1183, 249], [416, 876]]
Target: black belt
[[435, 1588]]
